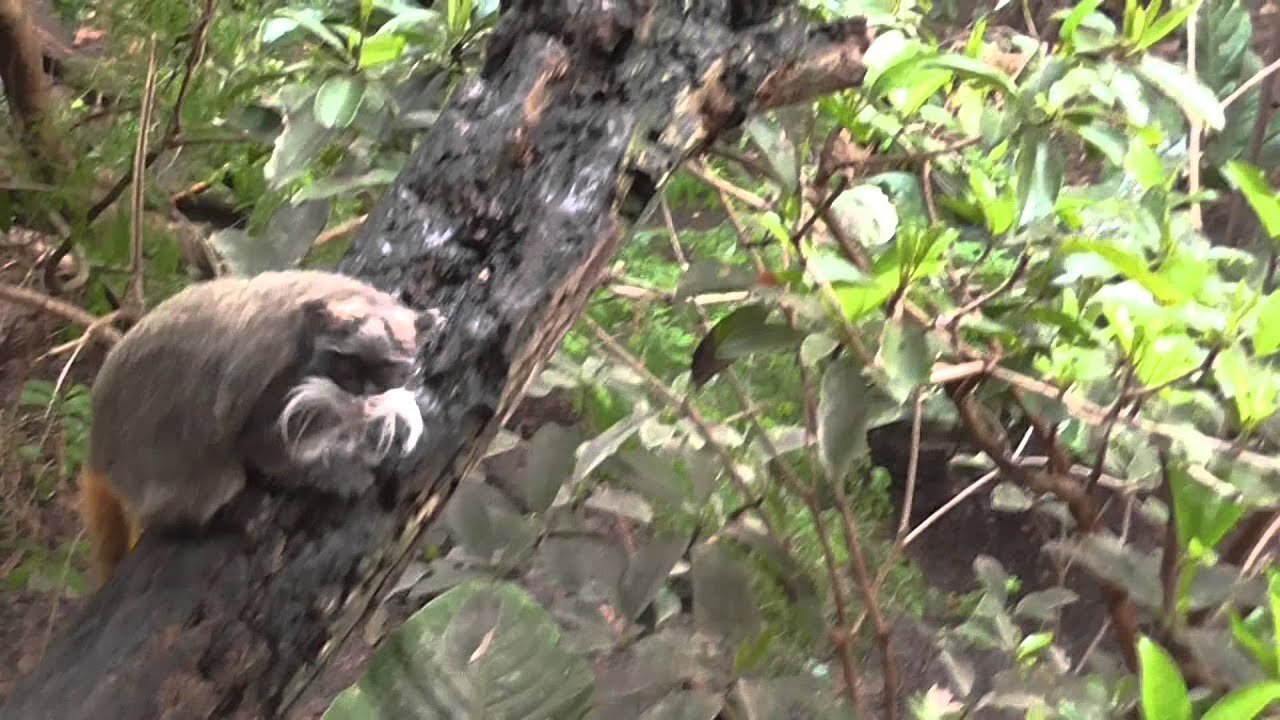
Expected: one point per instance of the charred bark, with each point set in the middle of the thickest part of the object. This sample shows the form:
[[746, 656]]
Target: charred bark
[[499, 228]]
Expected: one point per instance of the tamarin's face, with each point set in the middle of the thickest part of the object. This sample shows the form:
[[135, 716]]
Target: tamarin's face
[[365, 342], [351, 397]]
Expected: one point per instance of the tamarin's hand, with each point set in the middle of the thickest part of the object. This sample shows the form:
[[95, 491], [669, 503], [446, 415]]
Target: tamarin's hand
[[283, 373]]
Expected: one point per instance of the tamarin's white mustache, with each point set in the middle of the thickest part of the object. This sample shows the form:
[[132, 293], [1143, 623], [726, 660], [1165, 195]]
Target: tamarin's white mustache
[[348, 421]]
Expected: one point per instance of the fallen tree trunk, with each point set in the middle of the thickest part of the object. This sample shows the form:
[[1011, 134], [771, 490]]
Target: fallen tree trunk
[[498, 230]]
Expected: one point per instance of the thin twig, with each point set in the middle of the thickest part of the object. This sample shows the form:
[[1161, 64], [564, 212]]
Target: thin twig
[[63, 309], [134, 288], [703, 173], [1195, 129], [1259, 548], [913, 463]]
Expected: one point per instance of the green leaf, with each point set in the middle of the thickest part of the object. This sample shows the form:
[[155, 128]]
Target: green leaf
[[1262, 653], [1040, 168], [458, 16], [1200, 512], [1144, 164], [1266, 339], [330, 187], [771, 138], [847, 401], [479, 650], [974, 70], [1083, 9], [1167, 23], [857, 300], [381, 49], [338, 101], [1196, 100], [1106, 140], [1164, 693], [1246, 703], [1032, 644], [905, 357], [1252, 183], [1128, 264], [313, 22], [739, 334]]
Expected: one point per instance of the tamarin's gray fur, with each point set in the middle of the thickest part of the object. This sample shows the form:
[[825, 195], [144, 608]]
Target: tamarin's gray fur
[[281, 373]]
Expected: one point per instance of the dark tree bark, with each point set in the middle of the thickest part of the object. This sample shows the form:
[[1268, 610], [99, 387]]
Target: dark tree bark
[[499, 229]]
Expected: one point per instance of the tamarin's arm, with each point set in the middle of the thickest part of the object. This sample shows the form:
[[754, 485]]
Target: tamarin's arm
[[281, 373]]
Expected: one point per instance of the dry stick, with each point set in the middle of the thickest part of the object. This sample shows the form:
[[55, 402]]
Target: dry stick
[[134, 295], [1195, 128], [704, 174], [913, 463], [1260, 547], [848, 666], [63, 309]]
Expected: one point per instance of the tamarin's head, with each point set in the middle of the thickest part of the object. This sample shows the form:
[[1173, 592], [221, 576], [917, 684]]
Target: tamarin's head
[[352, 395]]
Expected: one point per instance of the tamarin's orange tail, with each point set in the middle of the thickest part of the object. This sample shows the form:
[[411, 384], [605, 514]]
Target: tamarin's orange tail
[[111, 532]]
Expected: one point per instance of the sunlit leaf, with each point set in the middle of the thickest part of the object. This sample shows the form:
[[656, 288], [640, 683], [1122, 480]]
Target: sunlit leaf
[[1252, 183], [1245, 703], [1187, 91], [1164, 693], [338, 100]]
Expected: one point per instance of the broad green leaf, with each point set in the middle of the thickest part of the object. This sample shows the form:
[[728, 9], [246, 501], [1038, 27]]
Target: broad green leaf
[[275, 28], [847, 401], [1273, 596], [549, 464], [295, 148], [1166, 358], [772, 140], [480, 650], [1246, 703], [312, 21], [1262, 653], [1040, 168], [1031, 646], [1144, 164], [1196, 100], [1252, 183], [1200, 512], [1164, 692], [594, 452], [739, 334], [330, 187], [867, 214], [338, 100], [1128, 264], [858, 300], [724, 603], [1083, 9], [458, 16], [381, 49], [974, 70], [904, 355], [1106, 140], [1266, 339], [1255, 391]]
